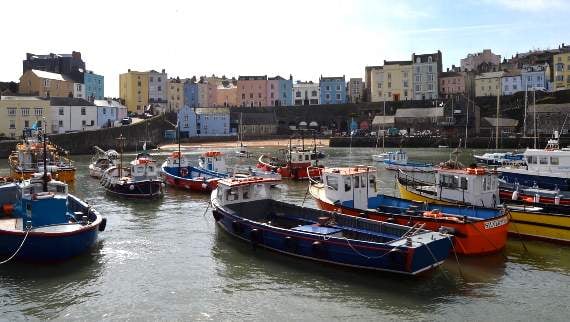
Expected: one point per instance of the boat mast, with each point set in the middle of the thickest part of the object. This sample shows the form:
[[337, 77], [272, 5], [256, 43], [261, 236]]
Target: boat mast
[[383, 125], [45, 176], [179, 154], [497, 125], [534, 112], [121, 145]]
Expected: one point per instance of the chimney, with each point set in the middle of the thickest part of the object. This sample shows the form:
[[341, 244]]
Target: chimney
[[164, 71], [76, 55], [447, 69]]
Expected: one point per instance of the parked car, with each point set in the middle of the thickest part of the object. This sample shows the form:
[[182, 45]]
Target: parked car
[[126, 120]]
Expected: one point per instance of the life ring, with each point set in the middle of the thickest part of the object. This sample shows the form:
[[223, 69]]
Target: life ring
[[183, 172]]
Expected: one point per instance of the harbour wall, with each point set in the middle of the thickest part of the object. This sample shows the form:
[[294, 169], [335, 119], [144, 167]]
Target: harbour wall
[[150, 130], [434, 142]]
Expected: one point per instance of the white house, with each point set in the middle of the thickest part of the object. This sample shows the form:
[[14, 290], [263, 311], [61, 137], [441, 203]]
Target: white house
[[72, 114], [306, 93]]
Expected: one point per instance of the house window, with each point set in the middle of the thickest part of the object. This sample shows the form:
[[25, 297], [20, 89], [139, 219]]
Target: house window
[[60, 123], [418, 78], [338, 87], [405, 83], [159, 79], [338, 96], [327, 88], [405, 74], [271, 86], [242, 96], [26, 123], [83, 110], [12, 124], [38, 111], [259, 95], [104, 110], [430, 69], [389, 76], [314, 93], [389, 85], [83, 123], [151, 79], [61, 111], [327, 96], [25, 111], [11, 111], [250, 95], [379, 85]]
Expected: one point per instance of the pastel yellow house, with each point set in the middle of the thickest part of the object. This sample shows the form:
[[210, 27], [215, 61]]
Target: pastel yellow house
[[175, 94], [19, 112], [488, 84], [392, 82], [561, 74], [133, 90], [45, 84]]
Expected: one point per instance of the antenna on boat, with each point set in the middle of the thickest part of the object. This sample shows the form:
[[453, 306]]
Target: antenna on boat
[[179, 154]]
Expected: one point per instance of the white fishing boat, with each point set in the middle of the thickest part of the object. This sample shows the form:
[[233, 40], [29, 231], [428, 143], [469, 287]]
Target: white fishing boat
[[101, 161]]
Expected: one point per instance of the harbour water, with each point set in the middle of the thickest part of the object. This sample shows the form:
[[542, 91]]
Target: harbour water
[[167, 260]]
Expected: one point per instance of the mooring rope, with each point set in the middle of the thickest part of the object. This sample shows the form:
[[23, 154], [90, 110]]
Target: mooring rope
[[17, 250], [369, 257], [456, 257]]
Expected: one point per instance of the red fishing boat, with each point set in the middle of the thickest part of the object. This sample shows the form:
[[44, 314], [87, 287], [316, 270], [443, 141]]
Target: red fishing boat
[[352, 191]]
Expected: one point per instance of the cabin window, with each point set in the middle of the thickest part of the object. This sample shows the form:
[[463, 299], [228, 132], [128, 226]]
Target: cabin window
[[356, 182], [306, 157], [332, 182], [245, 194], [464, 183], [347, 184], [448, 181], [531, 159], [232, 194], [544, 160], [554, 161], [372, 182], [300, 158]]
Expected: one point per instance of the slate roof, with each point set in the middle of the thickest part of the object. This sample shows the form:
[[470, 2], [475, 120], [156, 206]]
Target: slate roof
[[69, 101], [503, 122], [49, 75]]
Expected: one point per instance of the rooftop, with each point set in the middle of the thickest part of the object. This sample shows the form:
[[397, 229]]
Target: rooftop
[[49, 75], [244, 78], [22, 98], [212, 110], [397, 62], [69, 101], [503, 122], [449, 74]]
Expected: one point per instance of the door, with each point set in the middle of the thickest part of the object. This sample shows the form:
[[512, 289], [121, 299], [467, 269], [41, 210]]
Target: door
[[360, 192]]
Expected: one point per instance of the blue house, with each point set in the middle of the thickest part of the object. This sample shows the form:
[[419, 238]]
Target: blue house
[[109, 112], [333, 90], [286, 91], [94, 86], [191, 94], [204, 122]]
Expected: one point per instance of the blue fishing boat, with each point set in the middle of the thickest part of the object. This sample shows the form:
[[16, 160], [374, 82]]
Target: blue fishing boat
[[41, 221], [244, 208], [178, 173], [398, 160]]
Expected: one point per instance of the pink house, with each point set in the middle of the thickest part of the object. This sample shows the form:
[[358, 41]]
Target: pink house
[[253, 91], [451, 83]]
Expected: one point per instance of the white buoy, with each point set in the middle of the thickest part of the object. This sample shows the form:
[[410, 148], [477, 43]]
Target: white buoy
[[557, 200], [131, 187], [515, 195]]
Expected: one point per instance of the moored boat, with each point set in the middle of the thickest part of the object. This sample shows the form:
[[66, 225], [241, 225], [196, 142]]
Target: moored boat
[[298, 164], [178, 173], [28, 158], [479, 186], [500, 158], [352, 191], [41, 221], [398, 160], [101, 161], [244, 209], [140, 180]]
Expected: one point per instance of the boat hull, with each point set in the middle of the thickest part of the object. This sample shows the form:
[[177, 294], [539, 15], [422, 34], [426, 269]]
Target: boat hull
[[545, 226], [338, 252], [147, 189], [542, 181], [65, 175], [198, 184], [471, 238]]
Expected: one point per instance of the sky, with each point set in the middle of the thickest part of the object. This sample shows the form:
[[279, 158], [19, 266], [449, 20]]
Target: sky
[[305, 38]]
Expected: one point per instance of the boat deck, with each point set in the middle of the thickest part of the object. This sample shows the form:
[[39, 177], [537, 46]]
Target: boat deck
[[15, 224]]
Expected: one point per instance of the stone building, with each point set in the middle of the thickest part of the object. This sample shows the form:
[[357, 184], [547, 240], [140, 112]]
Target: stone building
[[473, 61], [487, 84], [45, 84], [355, 90], [392, 82], [69, 65]]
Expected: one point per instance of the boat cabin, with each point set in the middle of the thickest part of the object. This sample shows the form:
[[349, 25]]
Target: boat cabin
[[238, 190], [351, 186], [550, 159], [213, 161], [143, 168], [297, 156], [475, 186], [396, 157], [39, 207], [177, 159]]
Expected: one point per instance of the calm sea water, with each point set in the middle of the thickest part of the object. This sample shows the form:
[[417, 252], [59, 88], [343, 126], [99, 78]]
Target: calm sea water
[[167, 260]]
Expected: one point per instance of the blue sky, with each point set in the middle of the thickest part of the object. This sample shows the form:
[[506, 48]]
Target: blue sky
[[305, 38]]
